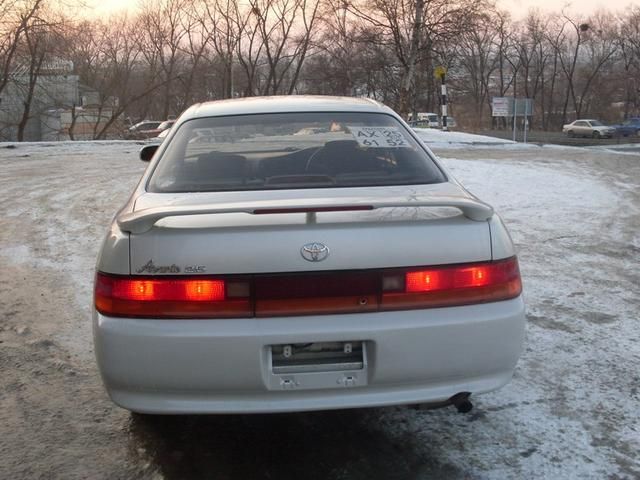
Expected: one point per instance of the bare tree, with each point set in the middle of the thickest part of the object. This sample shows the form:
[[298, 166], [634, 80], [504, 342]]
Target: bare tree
[[36, 40], [600, 46], [16, 17], [225, 27], [412, 28], [109, 60], [161, 23], [478, 61], [196, 44], [286, 28], [629, 44]]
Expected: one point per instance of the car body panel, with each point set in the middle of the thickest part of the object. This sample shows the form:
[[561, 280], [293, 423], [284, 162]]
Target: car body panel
[[221, 366], [220, 243], [501, 242], [246, 247]]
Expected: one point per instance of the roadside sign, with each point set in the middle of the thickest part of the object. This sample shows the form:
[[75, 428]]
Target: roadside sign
[[502, 106], [524, 107], [440, 72]]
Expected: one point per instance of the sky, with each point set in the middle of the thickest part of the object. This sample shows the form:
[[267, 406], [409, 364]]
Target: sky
[[518, 7]]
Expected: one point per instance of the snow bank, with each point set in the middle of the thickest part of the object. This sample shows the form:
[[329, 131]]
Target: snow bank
[[437, 138]]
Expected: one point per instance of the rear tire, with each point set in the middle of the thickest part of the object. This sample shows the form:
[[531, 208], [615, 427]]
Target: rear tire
[[638, 132], [595, 134]]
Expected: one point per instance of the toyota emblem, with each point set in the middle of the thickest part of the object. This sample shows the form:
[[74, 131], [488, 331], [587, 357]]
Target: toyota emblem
[[314, 252]]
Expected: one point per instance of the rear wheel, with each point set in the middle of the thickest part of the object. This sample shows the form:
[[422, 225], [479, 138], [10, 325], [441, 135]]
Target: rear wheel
[[638, 132], [595, 134]]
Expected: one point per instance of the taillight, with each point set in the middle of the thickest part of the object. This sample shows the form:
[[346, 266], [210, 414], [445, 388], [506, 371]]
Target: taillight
[[305, 293], [171, 297], [451, 285]]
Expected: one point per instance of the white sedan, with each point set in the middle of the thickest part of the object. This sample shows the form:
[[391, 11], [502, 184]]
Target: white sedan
[[261, 269], [588, 128]]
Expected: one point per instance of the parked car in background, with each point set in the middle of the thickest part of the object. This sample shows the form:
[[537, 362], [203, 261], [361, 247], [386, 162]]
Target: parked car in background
[[134, 132], [160, 137], [155, 132], [425, 120], [628, 128], [429, 123], [451, 122], [588, 128], [257, 269]]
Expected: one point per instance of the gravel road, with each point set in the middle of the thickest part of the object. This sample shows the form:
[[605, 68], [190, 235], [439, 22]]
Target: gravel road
[[570, 412]]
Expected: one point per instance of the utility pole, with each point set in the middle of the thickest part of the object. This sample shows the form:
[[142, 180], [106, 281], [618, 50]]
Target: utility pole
[[441, 73], [515, 115]]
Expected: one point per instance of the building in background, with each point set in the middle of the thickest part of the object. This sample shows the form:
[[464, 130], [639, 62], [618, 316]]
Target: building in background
[[59, 108]]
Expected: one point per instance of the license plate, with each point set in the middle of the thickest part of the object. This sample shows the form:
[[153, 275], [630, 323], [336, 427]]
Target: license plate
[[317, 365]]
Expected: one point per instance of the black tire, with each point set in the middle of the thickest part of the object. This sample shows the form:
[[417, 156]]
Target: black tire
[[570, 134], [638, 132], [595, 134]]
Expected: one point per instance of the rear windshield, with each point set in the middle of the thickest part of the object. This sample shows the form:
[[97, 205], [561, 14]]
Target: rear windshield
[[291, 150]]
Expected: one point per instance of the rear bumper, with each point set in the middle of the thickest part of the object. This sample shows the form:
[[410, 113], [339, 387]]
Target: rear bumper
[[221, 366]]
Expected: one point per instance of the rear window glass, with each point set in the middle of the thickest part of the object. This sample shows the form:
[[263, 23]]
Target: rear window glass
[[291, 150]]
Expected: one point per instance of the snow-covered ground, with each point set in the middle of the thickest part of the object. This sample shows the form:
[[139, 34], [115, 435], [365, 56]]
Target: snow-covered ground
[[571, 411], [436, 138]]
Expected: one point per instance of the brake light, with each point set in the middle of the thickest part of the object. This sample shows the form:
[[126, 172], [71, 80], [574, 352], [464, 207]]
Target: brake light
[[307, 293], [170, 297], [340, 208], [171, 290], [452, 285]]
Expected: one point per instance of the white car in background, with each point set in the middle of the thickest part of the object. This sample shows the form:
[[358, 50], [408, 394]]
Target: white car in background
[[425, 120], [588, 128], [318, 257]]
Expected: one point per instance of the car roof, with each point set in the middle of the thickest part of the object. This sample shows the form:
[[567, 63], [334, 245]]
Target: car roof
[[284, 104]]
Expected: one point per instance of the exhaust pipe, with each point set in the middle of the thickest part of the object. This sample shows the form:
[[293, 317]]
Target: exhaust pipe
[[461, 402]]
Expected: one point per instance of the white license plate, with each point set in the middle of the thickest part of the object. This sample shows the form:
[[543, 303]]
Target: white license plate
[[317, 365]]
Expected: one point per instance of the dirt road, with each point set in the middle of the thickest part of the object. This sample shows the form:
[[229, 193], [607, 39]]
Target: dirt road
[[570, 412]]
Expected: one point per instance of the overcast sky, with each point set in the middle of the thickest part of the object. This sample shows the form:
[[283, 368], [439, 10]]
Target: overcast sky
[[521, 7], [517, 7]]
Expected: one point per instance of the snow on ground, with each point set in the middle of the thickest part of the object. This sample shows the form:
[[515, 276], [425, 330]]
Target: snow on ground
[[571, 410], [436, 138], [58, 199]]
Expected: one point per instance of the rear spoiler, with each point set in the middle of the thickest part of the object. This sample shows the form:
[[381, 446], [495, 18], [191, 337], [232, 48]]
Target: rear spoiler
[[143, 220]]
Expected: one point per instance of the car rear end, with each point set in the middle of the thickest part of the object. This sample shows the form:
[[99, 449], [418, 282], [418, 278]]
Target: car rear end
[[301, 282]]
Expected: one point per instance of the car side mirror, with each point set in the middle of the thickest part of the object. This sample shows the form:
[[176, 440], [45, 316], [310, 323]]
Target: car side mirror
[[146, 153]]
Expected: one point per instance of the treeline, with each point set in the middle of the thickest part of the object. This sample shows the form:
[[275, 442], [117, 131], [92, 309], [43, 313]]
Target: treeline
[[171, 53]]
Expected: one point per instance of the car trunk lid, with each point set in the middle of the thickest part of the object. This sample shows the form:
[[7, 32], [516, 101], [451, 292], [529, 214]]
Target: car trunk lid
[[277, 231]]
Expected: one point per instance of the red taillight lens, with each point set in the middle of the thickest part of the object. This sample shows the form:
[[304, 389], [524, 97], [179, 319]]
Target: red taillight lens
[[307, 293], [452, 285], [170, 297], [168, 290], [451, 278]]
